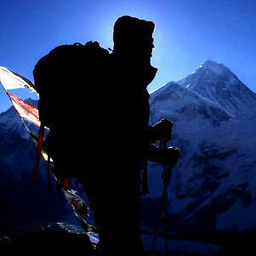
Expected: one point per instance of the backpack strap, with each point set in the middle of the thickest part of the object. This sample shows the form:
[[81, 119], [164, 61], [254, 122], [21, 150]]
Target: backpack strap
[[38, 152]]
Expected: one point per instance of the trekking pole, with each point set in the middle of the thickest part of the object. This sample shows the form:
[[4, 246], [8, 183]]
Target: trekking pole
[[157, 225], [165, 195], [163, 207]]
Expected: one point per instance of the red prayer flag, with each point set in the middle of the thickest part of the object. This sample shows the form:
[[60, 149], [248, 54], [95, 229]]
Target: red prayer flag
[[25, 110]]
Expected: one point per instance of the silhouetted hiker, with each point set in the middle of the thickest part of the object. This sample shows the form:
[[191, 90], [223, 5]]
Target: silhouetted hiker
[[132, 73], [96, 105]]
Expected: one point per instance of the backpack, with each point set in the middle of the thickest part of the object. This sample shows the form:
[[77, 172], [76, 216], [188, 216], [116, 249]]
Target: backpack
[[61, 76], [62, 69]]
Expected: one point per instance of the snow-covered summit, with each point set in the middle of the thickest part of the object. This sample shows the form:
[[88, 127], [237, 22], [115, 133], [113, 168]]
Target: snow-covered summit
[[211, 68], [217, 83], [214, 67]]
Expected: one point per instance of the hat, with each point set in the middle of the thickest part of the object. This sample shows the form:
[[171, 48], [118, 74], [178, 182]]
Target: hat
[[129, 29]]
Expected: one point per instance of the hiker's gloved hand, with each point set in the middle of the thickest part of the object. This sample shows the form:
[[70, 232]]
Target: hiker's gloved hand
[[167, 156], [162, 130], [171, 156]]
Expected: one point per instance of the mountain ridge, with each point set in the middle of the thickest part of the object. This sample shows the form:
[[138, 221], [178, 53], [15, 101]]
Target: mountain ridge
[[217, 83], [213, 185], [213, 182]]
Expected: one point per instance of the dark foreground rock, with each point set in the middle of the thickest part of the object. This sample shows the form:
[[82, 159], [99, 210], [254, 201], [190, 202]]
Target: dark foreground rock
[[45, 241]]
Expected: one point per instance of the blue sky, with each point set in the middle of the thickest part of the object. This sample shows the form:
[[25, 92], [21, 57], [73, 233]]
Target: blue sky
[[188, 32]]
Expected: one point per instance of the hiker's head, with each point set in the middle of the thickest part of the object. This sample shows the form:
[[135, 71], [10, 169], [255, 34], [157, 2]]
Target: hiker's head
[[133, 37]]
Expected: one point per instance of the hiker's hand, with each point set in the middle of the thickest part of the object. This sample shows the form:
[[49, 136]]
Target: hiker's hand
[[167, 156], [163, 130], [171, 156]]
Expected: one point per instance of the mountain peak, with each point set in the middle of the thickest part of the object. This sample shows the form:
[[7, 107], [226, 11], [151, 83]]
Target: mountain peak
[[214, 68], [217, 83], [213, 75], [212, 64]]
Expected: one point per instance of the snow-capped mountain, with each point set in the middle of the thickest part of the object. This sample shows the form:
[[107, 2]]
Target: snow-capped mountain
[[213, 186]]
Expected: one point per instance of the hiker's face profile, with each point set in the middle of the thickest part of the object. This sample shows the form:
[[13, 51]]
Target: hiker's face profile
[[150, 45], [146, 46]]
